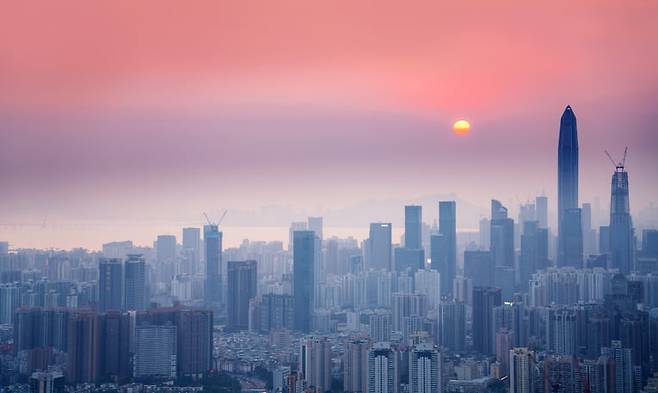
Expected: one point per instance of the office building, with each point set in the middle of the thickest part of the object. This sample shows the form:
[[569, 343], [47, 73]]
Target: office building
[[212, 240], [165, 249], [452, 325], [242, 283], [572, 239], [379, 247], [413, 222], [447, 252], [315, 224], [409, 260], [110, 284], [479, 268], [304, 250], [567, 186], [502, 236], [484, 301], [192, 248], [589, 234], [534, 252], [135, 283], [622, 241], [541, 209]]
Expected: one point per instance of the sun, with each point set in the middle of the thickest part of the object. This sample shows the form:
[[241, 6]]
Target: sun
[[461, 127]]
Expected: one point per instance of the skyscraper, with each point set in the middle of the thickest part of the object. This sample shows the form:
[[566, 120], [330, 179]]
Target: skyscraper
[[448, 229], [379, 246], [212, 238], [541, 208], [242, 282], [192, 247], [304, 249], [572, 239], [452, 325], [411, 257], [315, 225], [165, 248], [622, 247], [502, 236], [479, 267], [110, 284], [589, 234], [484, 301], [135, 283], [534, 252], [424, 369], [521, 364], [295, 226], [438, 254], [412, 226], [567, 185]]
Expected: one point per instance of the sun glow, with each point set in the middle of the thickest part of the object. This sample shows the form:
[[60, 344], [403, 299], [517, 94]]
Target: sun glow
[[461, 127]]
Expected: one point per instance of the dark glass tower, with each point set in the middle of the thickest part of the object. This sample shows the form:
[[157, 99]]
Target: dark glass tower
[[303, 280], [135, 283], [110, 284], [448, 229], [212, 239], [379, 246], [621, 226], [502, 236], [484, 301], [567, 189], [242, 282], [412, 226]]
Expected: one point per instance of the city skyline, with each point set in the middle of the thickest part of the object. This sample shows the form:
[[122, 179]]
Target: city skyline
[[351, 197]]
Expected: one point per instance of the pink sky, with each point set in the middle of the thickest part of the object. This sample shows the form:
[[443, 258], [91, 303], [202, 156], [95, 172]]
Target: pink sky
[[131, 109]]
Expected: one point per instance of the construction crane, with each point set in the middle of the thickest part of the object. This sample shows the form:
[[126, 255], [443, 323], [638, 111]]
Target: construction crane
[[218, 221], [619, 166]]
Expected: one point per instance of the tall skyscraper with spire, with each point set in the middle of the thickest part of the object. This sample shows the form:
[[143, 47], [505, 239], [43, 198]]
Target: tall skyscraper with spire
[[621, 225], [569, 236]]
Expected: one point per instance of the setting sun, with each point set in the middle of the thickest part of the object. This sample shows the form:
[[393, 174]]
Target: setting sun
[[461, 127]]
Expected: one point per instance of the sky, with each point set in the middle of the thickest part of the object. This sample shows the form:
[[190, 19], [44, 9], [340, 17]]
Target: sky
[[131, 113]]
